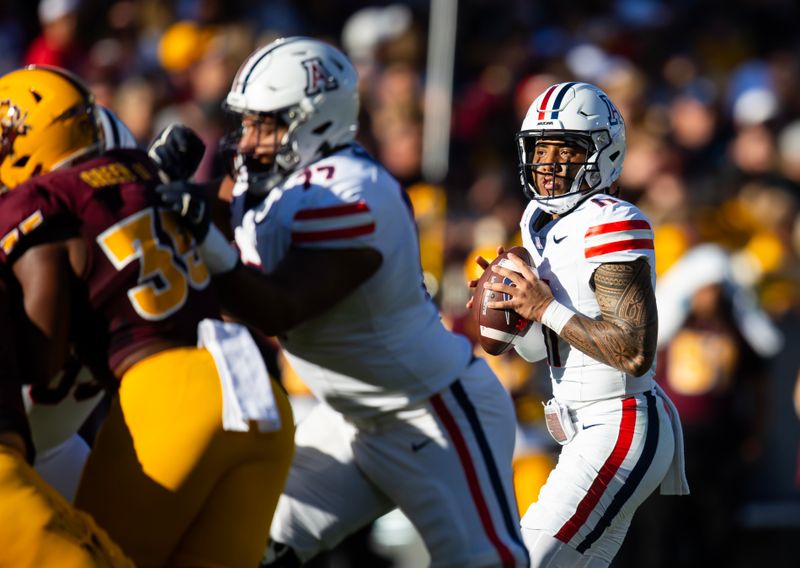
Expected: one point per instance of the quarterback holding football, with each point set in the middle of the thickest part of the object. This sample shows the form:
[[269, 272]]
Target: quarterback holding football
[[593, 292]]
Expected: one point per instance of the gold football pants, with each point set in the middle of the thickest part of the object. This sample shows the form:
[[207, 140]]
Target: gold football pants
[[39, 529], [169, 484]]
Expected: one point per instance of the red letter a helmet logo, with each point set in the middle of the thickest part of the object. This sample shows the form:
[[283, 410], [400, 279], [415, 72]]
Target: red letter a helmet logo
[[318, 77]]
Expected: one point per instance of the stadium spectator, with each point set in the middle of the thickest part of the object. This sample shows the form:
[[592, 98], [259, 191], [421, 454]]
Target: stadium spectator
[[714, 347], [57, 44]]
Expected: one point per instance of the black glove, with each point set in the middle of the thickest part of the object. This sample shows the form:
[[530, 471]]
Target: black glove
[[189, 201], [177, 151]]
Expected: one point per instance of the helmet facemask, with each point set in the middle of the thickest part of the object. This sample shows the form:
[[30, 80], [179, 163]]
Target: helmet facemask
[[263, 172], [581, 182]]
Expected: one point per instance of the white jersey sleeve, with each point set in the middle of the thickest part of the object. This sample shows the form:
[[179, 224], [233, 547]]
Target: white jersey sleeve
[[617, 232], [321, 206], [332, 213]]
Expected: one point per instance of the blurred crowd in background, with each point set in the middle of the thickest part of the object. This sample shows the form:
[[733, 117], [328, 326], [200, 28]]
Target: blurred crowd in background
[[710, 92]]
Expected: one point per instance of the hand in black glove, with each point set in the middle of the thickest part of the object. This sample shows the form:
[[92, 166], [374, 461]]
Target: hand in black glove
[[177, 151], [189, 201]]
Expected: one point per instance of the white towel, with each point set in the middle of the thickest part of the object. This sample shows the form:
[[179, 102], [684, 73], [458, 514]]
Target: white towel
[[674, 483], [246, 386]]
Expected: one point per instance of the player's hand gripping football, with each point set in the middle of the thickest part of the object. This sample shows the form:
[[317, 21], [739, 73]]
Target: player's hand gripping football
[[528, 295], [483, 263]]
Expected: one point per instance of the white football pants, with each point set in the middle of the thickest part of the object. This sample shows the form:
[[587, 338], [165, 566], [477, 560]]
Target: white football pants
[[445, 463], [620, 454]]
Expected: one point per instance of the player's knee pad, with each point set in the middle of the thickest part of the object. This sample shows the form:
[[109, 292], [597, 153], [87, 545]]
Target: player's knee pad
[[279, 555], [546, 551]]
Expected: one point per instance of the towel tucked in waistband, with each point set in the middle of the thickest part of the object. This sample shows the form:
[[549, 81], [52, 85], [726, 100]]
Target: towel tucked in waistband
[[246, 386], [675, 482]]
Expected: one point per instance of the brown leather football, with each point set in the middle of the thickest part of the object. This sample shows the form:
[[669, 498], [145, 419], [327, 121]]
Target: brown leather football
[[497, 329]]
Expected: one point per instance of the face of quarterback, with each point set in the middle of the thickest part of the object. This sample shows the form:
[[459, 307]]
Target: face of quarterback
[[557, 163], [260, 139]]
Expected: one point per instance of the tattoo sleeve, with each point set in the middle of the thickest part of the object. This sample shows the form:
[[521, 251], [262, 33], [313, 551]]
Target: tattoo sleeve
[[624, 336]]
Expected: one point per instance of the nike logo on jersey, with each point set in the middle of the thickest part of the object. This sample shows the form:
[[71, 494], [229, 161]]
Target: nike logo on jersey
[[585, 427], [557, 240], [419, 445]]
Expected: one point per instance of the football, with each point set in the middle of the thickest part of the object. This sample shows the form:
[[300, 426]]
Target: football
[[498, 330]]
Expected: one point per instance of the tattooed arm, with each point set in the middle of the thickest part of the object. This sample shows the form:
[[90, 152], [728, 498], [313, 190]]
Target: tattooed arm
[[624, 336]]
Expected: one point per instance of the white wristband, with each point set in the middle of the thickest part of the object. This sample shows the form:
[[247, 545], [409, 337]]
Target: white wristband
[[217, 252], [556, 316]]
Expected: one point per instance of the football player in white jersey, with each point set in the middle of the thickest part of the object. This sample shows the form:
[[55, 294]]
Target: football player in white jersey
[[408, 417], [592, 288]]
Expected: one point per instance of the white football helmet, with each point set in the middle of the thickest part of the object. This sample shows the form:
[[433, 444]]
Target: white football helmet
[[114, 132], [579, 112], [307, 84]]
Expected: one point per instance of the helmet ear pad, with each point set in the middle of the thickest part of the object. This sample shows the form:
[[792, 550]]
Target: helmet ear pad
[[48, 119], [568, 110]]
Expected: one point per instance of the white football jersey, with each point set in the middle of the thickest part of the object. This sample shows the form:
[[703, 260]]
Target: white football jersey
[[566, 251], [384, 346]]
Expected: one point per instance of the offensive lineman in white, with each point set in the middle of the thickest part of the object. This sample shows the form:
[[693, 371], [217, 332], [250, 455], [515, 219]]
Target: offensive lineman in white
[[594, 295], [409, 418]]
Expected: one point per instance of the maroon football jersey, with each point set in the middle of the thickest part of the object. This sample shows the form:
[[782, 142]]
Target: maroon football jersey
[[144, 281]]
